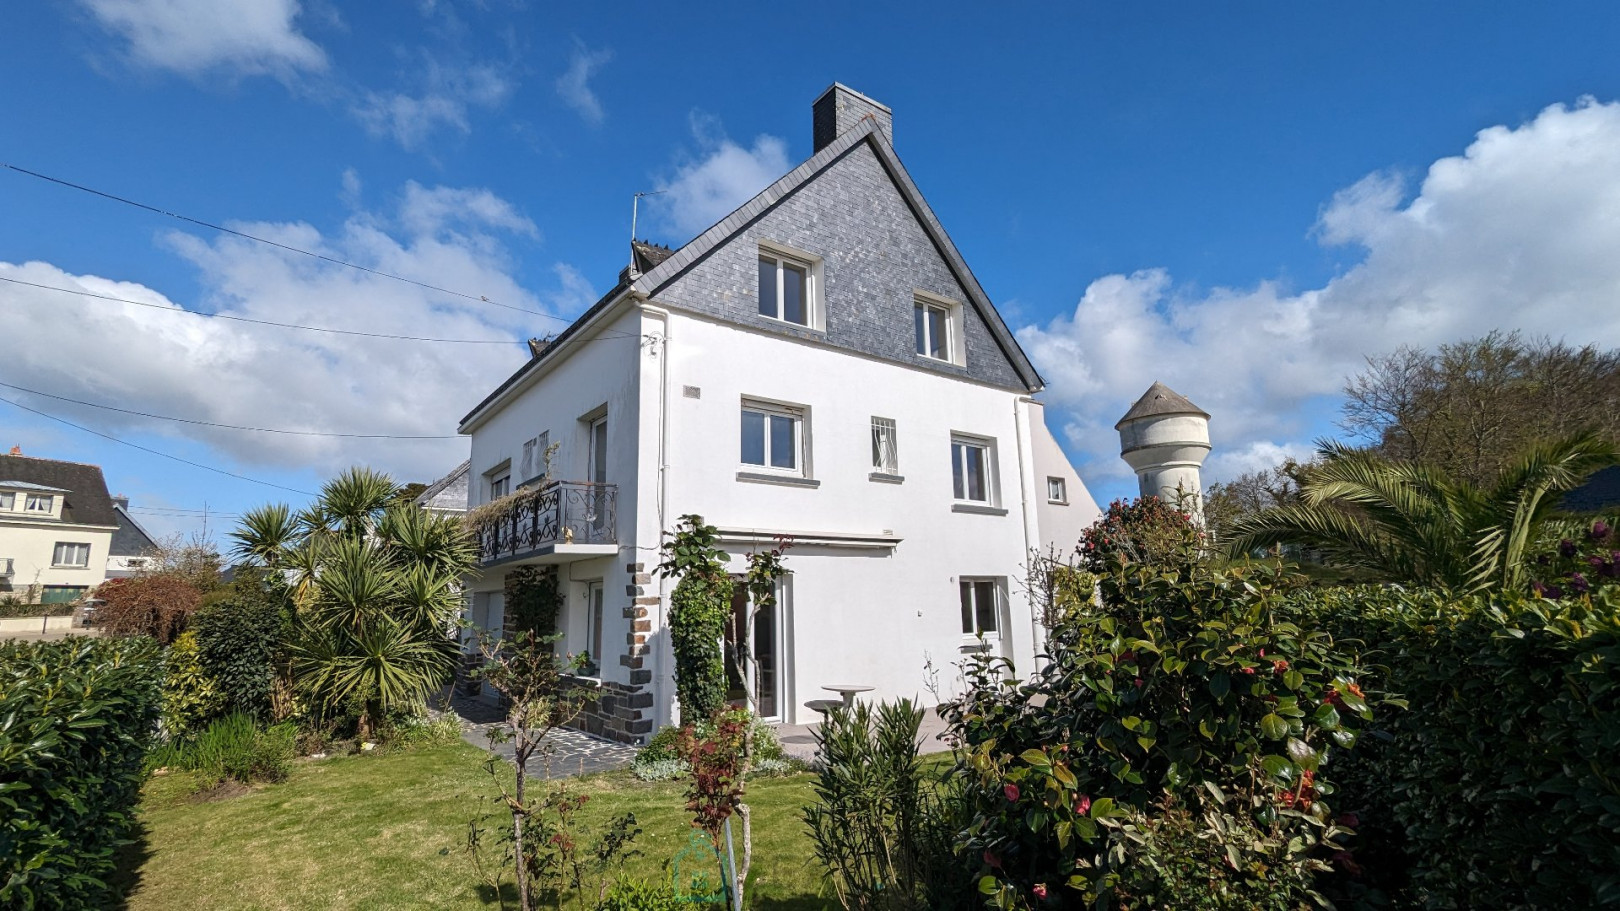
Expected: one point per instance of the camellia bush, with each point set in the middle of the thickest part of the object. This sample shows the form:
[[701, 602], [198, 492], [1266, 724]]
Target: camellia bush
[[1174, 750], [76, 719], [1143, 530], [1495, 788]]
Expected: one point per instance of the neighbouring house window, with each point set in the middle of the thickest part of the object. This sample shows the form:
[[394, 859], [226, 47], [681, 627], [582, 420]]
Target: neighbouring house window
[[500, 486], [885, 447], [1057, 490], [69, 554], [979, 608], [8, 501], [932, 323], [39, 502], [593, 623], [970, 470], [526, 464], [772, 436], [785, 288]]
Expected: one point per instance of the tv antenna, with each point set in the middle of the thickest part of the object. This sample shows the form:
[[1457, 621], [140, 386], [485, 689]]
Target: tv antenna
[[635, 204]]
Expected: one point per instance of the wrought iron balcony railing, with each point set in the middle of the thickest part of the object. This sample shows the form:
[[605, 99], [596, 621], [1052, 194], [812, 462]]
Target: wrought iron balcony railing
[[560, 512]]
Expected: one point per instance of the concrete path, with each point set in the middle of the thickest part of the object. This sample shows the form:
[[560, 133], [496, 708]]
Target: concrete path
[[570, 752], [799, 740]]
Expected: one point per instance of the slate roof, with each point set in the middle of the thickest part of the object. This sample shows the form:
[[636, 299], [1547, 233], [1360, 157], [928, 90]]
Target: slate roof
[[663, 265], [86, 501], [130, 540], [1160, 400], [442, 494], [1600, 493]]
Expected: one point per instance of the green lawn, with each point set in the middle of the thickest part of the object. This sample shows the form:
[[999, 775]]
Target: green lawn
[[388, 831]]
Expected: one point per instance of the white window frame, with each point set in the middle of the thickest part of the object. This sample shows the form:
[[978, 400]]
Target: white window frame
[[988, 447], [498, 481], [595, 599], [1061, 485], [70, 549], [8, 501], [801, 436], [885, 459], [812, 266], [975, 586], [40, 502], [955, 350]]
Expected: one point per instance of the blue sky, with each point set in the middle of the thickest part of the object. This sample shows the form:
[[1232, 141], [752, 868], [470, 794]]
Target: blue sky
[[1241, 200]]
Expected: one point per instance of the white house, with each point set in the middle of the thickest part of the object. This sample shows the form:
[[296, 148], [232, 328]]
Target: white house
[[56, 528], [820, 365]]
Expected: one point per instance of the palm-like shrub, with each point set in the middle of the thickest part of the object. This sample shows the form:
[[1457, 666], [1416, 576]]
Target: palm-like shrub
[[1406, 522], [375, 588]]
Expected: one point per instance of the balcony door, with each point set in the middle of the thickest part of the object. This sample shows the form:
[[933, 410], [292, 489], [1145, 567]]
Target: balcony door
[[765, 651], [596, 473]]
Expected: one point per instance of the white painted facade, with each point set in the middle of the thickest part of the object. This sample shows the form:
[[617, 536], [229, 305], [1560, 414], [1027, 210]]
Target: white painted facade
[[41, 554]]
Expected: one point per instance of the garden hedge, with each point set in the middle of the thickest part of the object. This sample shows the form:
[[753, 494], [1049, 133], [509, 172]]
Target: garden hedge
[[1497, 787], [76, 718]]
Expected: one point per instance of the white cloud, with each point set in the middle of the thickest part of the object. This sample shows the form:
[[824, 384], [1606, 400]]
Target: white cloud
[[706, 189], [249, 37], [182, 364], [1518, 232], [447, 96], [574, 85]]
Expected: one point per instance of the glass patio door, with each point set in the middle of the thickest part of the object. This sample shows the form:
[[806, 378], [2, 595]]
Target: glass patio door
[[765, 652]]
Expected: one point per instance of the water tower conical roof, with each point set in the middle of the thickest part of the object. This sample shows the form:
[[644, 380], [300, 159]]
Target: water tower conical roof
[[1158, 401]]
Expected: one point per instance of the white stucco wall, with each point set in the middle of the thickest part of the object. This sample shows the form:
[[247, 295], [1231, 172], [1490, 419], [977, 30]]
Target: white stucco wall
[[602, 372], [1060, 523], [868, 616], [31, 545]]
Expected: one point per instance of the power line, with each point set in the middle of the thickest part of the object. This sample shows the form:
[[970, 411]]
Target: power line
[[230, 474], [261, 322], [163, 417], [287, 247]]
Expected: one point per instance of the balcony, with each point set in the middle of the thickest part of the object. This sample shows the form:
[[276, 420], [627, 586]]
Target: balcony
[[560, 522]]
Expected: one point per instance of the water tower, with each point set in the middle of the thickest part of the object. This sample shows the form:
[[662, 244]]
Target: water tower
[[1164, 438]]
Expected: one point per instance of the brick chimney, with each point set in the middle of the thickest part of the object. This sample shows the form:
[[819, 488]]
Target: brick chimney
[[840, 108], [16, 450], [121, 501]]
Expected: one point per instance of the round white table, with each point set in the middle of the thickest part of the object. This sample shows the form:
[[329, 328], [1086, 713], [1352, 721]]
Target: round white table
[[848, 690]]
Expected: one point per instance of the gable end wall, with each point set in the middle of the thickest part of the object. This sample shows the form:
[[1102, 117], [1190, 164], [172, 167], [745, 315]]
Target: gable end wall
[[876, 255]]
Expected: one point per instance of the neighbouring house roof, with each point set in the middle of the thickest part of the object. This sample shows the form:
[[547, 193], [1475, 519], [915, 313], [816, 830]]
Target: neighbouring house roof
[[24, 485], [1158, 401], [658, 266], [130, 540], [85, 499], [448, 493], [1600, 493]]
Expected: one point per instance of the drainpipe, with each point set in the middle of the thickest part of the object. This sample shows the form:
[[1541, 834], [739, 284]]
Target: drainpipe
[[1021, 423], [660, 666]]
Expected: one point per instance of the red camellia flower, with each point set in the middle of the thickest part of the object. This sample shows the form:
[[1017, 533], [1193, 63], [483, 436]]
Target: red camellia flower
[[1083, 805], [1012, 792], [1279, 666], [1039, 890], [1249, 671], [991, 859]]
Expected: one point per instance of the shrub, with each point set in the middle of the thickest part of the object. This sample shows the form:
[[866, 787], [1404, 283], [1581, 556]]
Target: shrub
[[699, 606], [1493, 789], [658, 769], [233, 749], [240, 632], [663, 745], [635, 895], [190, 697], [13, 606], [1194, 685], [76, 719], [158, 605], [1144, 530], [883, 832]]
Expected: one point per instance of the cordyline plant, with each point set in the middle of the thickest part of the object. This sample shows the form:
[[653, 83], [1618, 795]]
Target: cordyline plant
[[1190, 688]]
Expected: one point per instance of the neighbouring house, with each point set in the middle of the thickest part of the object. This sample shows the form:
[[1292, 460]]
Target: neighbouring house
[[132, 547], [819, 366], [448, 495], [57, 524]]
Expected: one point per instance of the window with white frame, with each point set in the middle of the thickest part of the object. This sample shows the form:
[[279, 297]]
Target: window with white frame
[[885, 446], [1057, 490], [40, 502], [499, 479], [937, 328], [981, 608], [71, 554], [773, 437], [786, 288], [972, 464], [8, 500], [593, 622]]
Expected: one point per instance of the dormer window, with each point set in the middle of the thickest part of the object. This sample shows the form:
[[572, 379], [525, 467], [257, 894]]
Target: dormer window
[[788, 283], [8, 501], [40, 502]]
